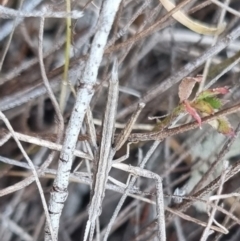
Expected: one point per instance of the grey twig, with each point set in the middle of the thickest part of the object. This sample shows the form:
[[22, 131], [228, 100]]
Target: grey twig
[[84, 96], [122, 137], [35, 175], [28, 6], [105, 154], [130, 185], [159, 194], [46, 12]]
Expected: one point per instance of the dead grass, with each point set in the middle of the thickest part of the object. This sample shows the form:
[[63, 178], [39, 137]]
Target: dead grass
[[92, 182]]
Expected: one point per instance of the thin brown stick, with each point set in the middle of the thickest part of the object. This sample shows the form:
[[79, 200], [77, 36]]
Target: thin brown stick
[[156, 135]]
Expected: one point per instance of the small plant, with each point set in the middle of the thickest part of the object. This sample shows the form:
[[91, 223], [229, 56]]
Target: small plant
[[204, 104]]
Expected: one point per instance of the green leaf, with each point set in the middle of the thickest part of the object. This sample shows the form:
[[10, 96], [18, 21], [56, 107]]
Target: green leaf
[[212, 93], [223, 126], [205, 94], [214, 102], [203, 106]]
